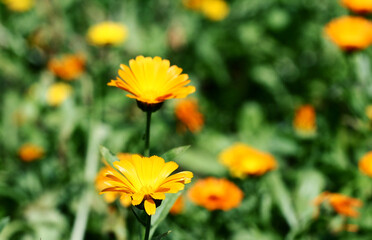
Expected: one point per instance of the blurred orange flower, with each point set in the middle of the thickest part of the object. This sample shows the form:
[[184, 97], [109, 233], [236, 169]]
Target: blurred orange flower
[[305, 120], [365, 164], [188, 113], [178, 206], [350, 33], [107, 33], [58, 93], [30, 152], [68, 67], [19, 5], [152, 80], [244, 160], [342, 204], [215, 194], [358, 6], [192, 4]]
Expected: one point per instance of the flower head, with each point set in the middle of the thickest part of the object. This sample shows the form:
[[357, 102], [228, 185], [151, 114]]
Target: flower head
[[68, 67], [369, 112], [152, 80], [30, 152], [145, 180], [178, 206], [192, 4], [365, 164], [244, 160], [350, 33], [305, 120], [215, 194], [342, 204], [358, 6], [107, 33], [58, 93], [215, 10], [19, 5], [188, 113]]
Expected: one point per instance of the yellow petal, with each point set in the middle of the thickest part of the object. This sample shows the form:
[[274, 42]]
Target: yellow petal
[[150, 206]]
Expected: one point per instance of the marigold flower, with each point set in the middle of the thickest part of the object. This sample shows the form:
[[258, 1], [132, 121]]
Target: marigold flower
[[19, 5], [152, 81], [192, 4], [305, 120], [68, 67], [187, 112], [215, 194], [358, 6], [369, 112], [107, 33], [178, 206], [30, 152], [58, 93], [342, 204], [244, 160], [365, 164], [215, 10], [350, 33], [145, 180]]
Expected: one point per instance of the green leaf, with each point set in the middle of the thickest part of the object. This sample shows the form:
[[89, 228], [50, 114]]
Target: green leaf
[[174, 152], [3, 223], [163, 210], [108, 156], [161, 236]]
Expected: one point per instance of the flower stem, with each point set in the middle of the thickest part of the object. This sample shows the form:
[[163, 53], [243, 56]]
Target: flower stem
[[148, 226], [147, 134]]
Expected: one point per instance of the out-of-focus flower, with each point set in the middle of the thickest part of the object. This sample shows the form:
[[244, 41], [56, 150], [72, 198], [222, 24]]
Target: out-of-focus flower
[[365, 164], [304, 121], [176, 36], [107, 33], [19, 5], [215, 194], [178, 206], [192, 4], [188, 113], [358, 6], [342, 204], [215, 10], [369, 112], [145, 180], [151, 81], [58, 93], [30, 152], [68, 67], [244, 160], [350, 33]]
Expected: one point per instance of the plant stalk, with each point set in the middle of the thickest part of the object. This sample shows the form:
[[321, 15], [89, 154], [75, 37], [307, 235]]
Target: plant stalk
[[148, 227], [147, 134]]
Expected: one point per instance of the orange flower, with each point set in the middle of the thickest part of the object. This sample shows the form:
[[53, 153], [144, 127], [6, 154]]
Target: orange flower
[[305, 120], [244, 160], [358, 6], [215, 194], [350, 33], [187, 112], [68, 67], [178, 206], [342, 204], [192, 4], [365, 164], [30, 152]]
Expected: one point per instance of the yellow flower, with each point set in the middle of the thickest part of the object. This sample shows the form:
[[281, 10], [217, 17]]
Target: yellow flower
[[68, 67], [369, 112], [305, 120], [178, 206], [358, 6], [152, 80], [187, 112], [342, 204], [215, 194], [350, 33], [145, 180], [244, 160], [215, 10], [107, 33], [58, 93], [30, 152], [365, 164], [18, 5]]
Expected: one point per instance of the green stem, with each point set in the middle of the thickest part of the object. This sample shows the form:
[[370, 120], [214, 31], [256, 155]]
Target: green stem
[[148, 226], [147, 134]]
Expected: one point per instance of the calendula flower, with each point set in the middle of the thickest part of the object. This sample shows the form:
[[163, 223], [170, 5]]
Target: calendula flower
[[178, 206], [188, 113], [358, 6], [19, 5], [151, 81], [145, 180], [304, 121], [107, 33], [192, 4], [369, 112], [350, 33], [243, 160], [58, 93], [215, 194], [215, 10], [30, 152], [342, 204], [365, 164], [68, 67]]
